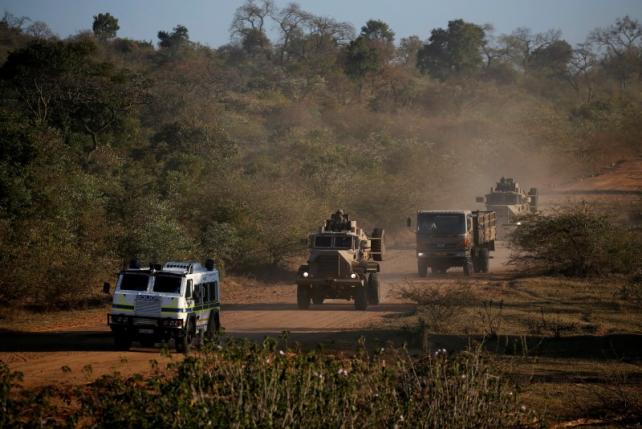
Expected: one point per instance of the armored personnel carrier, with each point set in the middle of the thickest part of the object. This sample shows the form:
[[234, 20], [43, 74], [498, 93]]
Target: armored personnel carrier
[[343, 264], [508, 201]]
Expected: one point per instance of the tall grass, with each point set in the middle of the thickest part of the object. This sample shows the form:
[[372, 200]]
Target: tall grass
[[243, 384]]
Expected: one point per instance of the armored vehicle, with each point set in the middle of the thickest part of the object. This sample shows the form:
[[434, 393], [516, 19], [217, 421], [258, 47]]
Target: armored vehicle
[[343, 264], [178, 301], [454, 238], [508, 200]]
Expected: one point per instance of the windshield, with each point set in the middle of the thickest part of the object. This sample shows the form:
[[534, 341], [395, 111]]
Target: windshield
[[167, 284], [437, 223], [503, 198], [323, 241], [131, 281], [343, 242]]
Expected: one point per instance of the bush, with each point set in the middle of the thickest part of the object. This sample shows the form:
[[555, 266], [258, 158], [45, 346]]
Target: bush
[[576, 242], [242, 384]]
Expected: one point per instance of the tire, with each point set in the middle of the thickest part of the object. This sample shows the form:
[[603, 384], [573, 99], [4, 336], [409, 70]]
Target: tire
[[184, 342], [213, 325], [373, 289], [122, 342], [422, 267], [438, 269], [378, 246], [303, 297], [468, 267], [484, 261], [476, 264], [361, 299], [147, 342], [317, 297]]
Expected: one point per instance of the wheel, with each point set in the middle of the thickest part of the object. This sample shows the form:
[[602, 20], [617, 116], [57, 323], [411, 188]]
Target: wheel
[[438, 269], [468, 267], [476, 264], [361, 299], [422, 267], [147, 342], [213, 325], [484, 261], [122, 341], [303, 296], [373, 289], [184, 342], [317, 297], [377, 246]]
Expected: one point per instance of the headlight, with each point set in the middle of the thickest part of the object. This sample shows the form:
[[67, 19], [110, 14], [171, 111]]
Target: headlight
[[353, 276], [306, 274], [420, 254], [518, 223]]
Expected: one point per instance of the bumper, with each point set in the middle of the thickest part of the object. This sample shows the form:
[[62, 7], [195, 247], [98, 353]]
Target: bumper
[[137, 326], [338, 283], [443, 255]]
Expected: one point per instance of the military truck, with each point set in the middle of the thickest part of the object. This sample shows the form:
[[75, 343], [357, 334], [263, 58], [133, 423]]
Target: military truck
[[343, 263], [454, 238], [508, 200]]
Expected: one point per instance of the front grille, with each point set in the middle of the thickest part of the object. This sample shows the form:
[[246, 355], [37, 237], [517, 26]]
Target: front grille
[[147, 305], [325, 266]]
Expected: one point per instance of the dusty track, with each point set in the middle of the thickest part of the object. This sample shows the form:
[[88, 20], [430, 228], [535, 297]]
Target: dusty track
[[252, 310]]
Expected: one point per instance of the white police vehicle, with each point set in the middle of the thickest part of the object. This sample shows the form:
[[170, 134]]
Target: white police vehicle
[[179, 301]]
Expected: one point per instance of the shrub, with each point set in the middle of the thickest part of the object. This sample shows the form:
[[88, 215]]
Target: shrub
[[243, 384], [576, 242]]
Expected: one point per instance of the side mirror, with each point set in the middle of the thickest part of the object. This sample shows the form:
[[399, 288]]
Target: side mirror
[[408, 222], [106, 288], [479, 200]]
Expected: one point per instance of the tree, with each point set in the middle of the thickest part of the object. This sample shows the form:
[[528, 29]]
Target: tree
[[40, 30], [60, 84], [105, 26], [361, 58], [408, 49], [454, 51], [178, 38], [377, 31], [251, 16], [622, 43], [290, 20], [552, 60]]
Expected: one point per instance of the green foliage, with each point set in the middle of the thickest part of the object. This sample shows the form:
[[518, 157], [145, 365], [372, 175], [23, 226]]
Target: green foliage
[[552, 60], [577, 243], [452, 52], [361, 58], [376, 30], [241, 384], [105, 26], [177, 38]]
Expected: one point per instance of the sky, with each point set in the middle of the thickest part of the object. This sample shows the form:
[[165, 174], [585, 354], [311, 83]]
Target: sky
[[208, 21]]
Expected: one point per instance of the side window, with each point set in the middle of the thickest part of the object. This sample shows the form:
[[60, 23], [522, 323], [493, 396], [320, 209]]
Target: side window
[[188, 289], [210, 292], [200, 292], [470, 223]]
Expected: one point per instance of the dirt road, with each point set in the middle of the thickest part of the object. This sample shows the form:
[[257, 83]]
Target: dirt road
[[79, 350]]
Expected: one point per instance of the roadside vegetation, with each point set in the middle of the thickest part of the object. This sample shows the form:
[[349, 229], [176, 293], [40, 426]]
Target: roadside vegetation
[[244, 384], [114, 148], [576, 242]]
